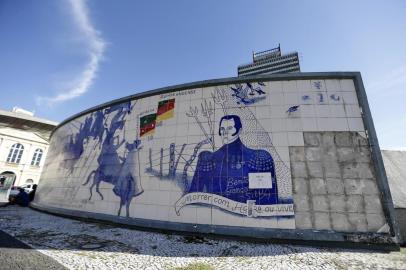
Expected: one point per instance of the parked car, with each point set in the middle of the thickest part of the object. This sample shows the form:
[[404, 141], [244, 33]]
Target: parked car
[[13, 191]]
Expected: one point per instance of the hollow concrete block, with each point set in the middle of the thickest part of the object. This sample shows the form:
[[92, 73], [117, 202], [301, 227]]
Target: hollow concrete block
[[322, 221], [335, 186], [303, 220], [337, 203], [320, 203], [312, 138], [298, 169], [355, 204], [300, 185], [317, 186], [301, 202], [340, 222], [315, 169]]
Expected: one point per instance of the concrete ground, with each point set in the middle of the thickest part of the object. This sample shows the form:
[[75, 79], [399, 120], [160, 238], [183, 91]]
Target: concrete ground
[[81, 245]]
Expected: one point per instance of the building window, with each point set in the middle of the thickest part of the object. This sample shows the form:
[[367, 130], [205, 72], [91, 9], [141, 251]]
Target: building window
[[15, 154], [36, 158]]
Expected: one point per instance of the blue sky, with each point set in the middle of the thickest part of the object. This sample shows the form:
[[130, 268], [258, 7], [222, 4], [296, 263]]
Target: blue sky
[[61, 57]]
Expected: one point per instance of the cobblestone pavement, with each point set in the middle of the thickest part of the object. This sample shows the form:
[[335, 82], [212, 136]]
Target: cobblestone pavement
[[81, 245]]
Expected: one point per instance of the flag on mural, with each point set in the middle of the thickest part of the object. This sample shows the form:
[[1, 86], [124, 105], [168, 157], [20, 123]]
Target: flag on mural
[[147, 124], [166, 109]]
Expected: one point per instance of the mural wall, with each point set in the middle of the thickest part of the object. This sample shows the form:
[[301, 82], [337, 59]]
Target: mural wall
[[219, 155]]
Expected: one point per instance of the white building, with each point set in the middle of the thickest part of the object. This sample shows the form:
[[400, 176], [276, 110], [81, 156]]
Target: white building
[[23, 147]]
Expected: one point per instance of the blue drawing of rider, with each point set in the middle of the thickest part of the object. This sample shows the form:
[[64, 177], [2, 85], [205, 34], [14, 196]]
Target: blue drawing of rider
[[225, 172]]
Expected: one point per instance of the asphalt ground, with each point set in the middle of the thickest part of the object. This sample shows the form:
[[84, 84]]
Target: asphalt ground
[[14, 254]]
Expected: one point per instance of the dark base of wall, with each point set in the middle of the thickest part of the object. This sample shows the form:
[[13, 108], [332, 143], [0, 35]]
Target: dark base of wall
[[401, 218], [331, 239]]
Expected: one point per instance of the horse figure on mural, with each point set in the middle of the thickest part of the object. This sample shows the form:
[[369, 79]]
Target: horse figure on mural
[[122, 172]]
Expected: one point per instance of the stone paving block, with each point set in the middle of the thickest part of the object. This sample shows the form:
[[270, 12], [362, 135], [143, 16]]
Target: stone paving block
[[372, 204], [343, 139], [312, 138], [298, 169], [369, 187], [322, 221], [332, 169], [320, 203], [303, 220], [297, 153], [375, 222], [315, 169], [353, 186], [301, 202], [358, 222], [355, 204], [300, 185], [317, 186], [313, 153], [335, 186], [337, 203], [340, 222]]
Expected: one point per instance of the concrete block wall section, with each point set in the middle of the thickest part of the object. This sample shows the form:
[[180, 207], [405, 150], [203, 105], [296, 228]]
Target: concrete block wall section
[[334, 183]]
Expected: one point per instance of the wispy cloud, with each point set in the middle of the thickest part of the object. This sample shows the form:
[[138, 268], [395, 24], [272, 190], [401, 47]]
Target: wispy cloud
[[394, 79], [95, 47]]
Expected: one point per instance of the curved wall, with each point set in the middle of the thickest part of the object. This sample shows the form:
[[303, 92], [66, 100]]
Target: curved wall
[[282, 156]]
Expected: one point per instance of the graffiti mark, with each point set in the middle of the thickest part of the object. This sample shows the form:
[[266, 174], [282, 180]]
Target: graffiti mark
[[293, 109], [335, 97], [321, 97], [317, 84]]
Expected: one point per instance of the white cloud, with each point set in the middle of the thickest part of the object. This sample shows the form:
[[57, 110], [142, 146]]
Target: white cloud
[[95, 50]]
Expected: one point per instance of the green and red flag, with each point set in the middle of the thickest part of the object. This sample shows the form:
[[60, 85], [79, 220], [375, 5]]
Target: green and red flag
[[147, 124], [166, 109]]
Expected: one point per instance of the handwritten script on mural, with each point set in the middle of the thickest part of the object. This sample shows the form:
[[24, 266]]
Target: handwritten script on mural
[[233, 206]]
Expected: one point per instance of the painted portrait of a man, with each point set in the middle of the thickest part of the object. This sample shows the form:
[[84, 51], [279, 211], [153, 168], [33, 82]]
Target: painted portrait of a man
[[226, 171]]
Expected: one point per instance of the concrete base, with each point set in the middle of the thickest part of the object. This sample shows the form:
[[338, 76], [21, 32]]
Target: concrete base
[[401, 218]]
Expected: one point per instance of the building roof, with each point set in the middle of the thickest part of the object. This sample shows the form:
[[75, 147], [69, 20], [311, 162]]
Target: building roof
[[395, 167], [22, 134], [21, 121]]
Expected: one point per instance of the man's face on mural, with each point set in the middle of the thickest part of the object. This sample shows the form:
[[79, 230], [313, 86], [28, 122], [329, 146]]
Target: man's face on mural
[[228, 132]]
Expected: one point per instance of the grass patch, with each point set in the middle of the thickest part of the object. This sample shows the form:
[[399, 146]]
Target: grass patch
[[195, 266]]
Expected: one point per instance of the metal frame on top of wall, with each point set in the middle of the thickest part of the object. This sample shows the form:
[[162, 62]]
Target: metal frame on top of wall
[[382, 240]]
